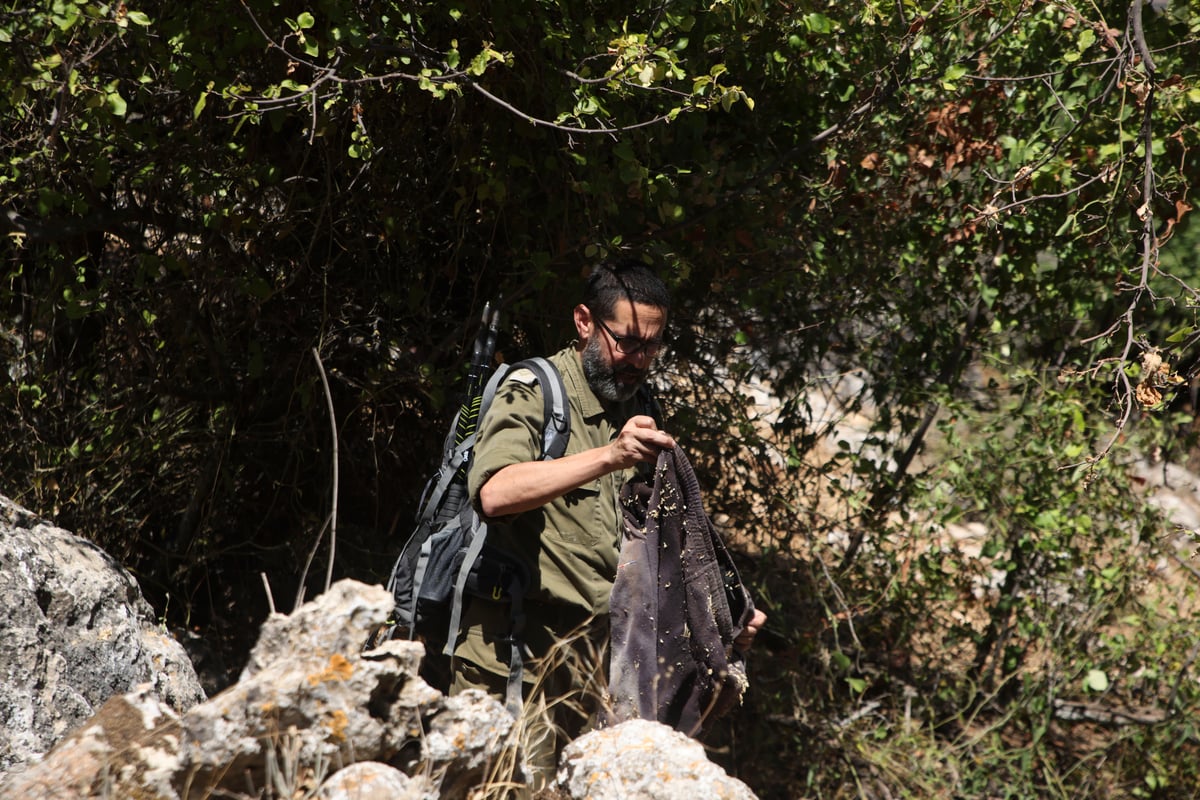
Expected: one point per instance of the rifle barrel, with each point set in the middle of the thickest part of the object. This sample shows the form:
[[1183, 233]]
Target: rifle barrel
[[481, 360]]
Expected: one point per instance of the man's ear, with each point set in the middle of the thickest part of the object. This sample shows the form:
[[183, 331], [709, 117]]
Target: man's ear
[[583, 322]]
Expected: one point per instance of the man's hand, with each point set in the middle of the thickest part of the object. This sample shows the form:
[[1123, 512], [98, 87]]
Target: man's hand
[[746, 638], [640, 440]]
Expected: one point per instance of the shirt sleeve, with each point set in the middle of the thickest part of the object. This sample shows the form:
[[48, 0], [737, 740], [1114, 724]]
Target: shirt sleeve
[[510, 433]]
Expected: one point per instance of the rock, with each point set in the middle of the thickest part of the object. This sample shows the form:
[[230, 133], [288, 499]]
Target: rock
[[370, 780], [76, 631], [465, 740], [128, 743], [309, 696], [336, 622], [308, 705], [641, 760], [87, 672]]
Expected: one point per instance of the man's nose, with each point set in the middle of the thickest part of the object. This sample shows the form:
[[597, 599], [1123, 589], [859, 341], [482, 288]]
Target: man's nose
[[641, 358]]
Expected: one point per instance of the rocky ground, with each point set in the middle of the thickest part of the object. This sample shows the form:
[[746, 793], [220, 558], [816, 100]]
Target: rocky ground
[[99, 702]]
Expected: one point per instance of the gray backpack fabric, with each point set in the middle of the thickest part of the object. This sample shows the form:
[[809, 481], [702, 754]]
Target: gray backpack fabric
[[678, 604]]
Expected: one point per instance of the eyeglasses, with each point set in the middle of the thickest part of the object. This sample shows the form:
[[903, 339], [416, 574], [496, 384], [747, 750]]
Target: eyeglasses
[[630, 345]]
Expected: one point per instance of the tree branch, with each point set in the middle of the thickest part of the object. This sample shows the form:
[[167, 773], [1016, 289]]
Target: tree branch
[[328, 74]]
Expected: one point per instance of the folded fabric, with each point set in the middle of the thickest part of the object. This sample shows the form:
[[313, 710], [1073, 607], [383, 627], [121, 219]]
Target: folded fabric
[[678, 604]]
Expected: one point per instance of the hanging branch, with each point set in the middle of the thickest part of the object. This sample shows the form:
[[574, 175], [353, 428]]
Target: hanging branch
[[1126, 392], [300, 588]]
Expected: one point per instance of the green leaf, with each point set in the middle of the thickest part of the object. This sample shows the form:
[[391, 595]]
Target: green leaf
[[198, 109], [305, 21], [818, 23], [1181, 334], [951, 76], [117, 104], [1095, 681]]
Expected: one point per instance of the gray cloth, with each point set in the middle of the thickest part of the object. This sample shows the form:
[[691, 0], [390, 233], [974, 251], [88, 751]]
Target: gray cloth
[[677, 606]]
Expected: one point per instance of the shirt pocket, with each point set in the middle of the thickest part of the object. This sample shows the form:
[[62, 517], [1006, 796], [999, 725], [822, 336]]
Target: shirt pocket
[[582, 518]]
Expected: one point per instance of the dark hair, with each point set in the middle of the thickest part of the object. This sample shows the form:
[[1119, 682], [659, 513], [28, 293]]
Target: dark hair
[[626, 279]]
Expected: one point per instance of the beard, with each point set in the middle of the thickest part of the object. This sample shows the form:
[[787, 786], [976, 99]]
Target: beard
[[605, 378]]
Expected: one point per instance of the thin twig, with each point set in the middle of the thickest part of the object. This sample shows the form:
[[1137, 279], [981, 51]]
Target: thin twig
[[1111, 716], [334, 501], [1183, 563], [270, 597], [1149, 243], [308, 563]]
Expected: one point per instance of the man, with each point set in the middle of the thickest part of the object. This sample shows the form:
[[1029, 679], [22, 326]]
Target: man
[[564, 515]]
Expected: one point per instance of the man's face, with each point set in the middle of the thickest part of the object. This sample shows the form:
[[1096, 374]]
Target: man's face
[[617, 361]]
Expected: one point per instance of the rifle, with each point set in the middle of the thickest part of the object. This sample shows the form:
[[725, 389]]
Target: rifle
[[481, 363], [450, 500]]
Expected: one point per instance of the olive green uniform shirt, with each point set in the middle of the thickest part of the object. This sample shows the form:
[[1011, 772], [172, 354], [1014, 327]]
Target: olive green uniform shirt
[[571, 544]]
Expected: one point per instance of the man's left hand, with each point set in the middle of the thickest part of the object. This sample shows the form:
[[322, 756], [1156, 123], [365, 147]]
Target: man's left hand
[[746, 638]]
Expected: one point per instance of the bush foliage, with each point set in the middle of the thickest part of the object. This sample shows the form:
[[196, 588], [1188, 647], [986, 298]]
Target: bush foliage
[[934, 276]]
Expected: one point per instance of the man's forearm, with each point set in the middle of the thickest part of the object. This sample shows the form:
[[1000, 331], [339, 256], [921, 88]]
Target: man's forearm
[[532, 484]]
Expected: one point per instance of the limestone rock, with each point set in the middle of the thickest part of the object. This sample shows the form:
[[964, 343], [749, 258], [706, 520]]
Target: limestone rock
[[337, 621], [128, 749], [640, 760], [76, 631], [309, 695], [87, 672], [308, 706], [464, 740], [370, 780]]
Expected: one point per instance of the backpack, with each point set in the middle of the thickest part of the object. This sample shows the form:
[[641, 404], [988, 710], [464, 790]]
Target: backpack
[[447, 559]]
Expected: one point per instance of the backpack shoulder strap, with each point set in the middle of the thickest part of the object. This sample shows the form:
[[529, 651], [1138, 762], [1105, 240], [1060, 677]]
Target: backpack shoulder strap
[[456, 453], [556, 409], [556, 429]]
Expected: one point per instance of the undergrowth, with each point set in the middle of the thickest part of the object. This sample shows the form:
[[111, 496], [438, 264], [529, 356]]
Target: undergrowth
[[1020, 628]]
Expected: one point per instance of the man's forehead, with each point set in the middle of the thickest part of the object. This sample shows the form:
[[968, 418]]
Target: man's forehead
[[640, 314]]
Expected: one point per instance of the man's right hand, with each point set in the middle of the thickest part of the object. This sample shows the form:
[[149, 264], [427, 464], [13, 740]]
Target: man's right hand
[[640, 440]]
